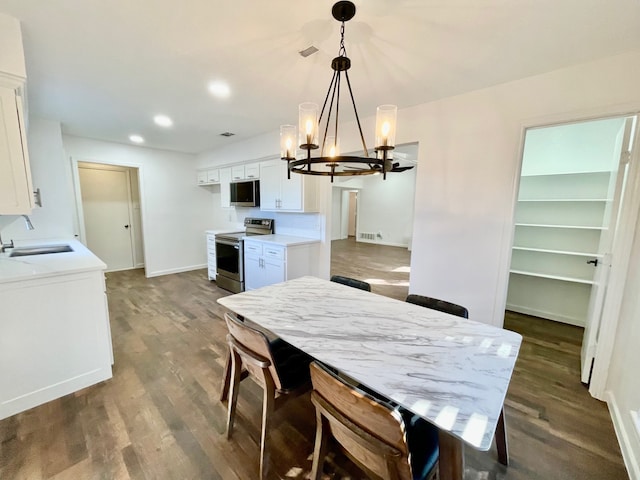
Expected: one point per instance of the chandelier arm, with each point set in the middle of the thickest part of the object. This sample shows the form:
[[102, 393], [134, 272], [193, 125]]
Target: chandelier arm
[[335, 85], [355, 110], [331, 86], [335, 136]]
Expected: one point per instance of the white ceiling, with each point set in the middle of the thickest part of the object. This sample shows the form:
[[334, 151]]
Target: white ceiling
[[105, 67]]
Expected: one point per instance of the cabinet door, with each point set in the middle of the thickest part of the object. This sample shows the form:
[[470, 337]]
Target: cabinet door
[[253, 272], [16, 196], [270, 177], [290, 190], [274, 271], [211, 256], [252, 171], [237, 172], [225, 194], [213, 176], [202, 177]]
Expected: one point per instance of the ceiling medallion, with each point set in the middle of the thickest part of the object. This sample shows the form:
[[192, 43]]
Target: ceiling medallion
[[330, 163]]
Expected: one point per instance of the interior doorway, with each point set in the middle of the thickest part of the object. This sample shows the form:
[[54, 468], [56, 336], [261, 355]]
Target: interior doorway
[[111, 223], [352, 213], [572, 182]]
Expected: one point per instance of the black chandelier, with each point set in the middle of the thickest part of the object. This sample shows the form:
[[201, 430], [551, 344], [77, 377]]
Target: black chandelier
[[330, 162]]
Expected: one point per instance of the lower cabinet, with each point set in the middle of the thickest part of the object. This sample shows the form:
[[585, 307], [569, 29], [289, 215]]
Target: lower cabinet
[[54, 339], [211, 255], [267, 263]]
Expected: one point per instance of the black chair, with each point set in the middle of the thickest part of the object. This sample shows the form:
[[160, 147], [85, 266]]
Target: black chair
[[440, 305], [351, 282]]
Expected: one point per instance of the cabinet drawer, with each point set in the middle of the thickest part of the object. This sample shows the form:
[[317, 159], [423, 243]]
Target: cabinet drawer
[[273, 252], [252, 248]]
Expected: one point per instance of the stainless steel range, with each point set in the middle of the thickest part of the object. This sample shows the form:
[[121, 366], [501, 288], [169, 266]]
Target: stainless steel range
[[230, 253]]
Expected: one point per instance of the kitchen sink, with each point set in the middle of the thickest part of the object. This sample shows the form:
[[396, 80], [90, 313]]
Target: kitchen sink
[[43, 250]]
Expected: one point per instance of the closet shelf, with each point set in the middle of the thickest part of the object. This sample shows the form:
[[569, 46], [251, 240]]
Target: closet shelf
[[540, 225], [559, 252], [553, 277], [575, 200]]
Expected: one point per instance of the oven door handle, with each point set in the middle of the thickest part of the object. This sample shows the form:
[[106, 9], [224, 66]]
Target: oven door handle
[[231, 243]]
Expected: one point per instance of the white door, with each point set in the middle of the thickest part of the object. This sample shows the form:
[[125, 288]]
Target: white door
[[106, 211], [603, 263]]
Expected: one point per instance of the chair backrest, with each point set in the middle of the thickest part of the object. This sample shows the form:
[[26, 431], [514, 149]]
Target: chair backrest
[[253, 346], [372, 433], [440, 305], [351, 282]]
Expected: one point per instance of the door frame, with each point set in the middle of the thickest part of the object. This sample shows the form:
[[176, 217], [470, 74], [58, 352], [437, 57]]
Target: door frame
[[79, 213], [621, 249]]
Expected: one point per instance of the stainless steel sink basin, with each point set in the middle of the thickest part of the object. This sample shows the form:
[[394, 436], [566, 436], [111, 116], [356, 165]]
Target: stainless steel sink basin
[[43, 250]]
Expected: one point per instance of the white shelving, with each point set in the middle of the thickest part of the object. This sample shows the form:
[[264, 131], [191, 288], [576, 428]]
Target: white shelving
[[558, 224]]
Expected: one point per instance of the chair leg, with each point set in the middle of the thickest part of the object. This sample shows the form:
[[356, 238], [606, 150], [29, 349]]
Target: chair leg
[[268, 401], [320, 449], [501, 440], [236, 367], [226, 379]]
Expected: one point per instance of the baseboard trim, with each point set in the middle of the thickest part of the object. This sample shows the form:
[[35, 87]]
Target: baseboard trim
[[159, 273], [386, 244], [624, 437], [544, 314]]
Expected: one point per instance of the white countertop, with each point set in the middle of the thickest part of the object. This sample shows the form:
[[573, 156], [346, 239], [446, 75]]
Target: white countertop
[[215, 231], [451, 371], [282, 240], [13, 269]]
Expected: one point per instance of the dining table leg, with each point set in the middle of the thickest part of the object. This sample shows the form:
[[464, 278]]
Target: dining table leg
[[451, 462]]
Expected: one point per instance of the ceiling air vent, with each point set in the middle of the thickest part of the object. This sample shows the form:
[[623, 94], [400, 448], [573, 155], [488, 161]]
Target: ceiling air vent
[[227, 134], [308, 51]]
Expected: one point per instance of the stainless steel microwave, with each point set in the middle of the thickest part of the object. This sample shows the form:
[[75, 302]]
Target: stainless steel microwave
[[245, 193]]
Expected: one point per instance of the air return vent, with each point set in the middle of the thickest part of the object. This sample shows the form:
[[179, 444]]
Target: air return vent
[[367, 236]]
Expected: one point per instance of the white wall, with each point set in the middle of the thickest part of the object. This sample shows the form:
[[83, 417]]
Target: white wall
[[385, 208], [51, 172], [574, 148], [175, 211]]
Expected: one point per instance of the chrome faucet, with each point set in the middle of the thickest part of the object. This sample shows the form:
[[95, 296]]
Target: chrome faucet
[[4, 247], [28, 223]]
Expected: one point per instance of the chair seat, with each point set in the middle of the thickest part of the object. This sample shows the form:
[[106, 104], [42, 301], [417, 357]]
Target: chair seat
[[291, 363], [422, 439]]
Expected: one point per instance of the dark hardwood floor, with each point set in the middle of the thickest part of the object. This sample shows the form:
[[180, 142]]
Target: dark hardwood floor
[[159, 416]]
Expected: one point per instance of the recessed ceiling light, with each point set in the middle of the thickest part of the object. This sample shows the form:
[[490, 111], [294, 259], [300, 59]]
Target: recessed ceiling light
[[163, 120], [219, 89], [136, 138]]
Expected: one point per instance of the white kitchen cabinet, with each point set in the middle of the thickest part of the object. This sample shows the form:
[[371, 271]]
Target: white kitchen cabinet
[[55, 337], [16, 192], [252, 171], [211, 255], [208, 177], [266, 262], [237, 172], [279, 193], [225, 193]]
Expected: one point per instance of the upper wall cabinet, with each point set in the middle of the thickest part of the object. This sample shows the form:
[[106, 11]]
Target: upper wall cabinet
[[250, 171], [278, 193], [208, 177], [16, 196]]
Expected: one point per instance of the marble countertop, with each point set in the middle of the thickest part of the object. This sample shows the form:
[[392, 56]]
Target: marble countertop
[[451, 371], [13, 269], [282, 240]]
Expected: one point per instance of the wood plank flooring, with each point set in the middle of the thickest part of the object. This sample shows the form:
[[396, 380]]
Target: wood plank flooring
[[159, 416]]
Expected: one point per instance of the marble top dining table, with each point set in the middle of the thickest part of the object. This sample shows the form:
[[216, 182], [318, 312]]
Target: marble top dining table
[[451, 371]]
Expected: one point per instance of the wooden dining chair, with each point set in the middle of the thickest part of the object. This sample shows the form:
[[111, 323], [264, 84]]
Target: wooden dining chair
[[372, 434], [460, 311], [279, 368], [351, 282]]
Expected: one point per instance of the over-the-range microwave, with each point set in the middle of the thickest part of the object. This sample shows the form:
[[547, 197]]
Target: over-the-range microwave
[[245, 193]]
